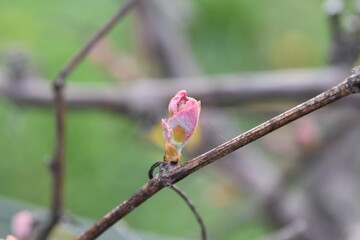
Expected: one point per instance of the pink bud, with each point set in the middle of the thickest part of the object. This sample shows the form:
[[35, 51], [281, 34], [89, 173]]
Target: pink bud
[[184, 116], [22, 224], [9, 237]]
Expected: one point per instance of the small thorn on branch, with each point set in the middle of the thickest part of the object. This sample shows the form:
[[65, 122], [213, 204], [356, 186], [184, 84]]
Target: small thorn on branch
[[53, 166]]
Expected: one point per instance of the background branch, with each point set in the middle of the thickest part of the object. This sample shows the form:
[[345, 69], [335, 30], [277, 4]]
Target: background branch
[[226, 90], [57, 164], [170, 175], [162, 37]]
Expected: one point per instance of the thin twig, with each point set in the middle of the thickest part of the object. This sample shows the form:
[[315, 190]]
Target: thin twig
[[193, 209], [162, 164], [81, 54], [57, 164], [170, 176]]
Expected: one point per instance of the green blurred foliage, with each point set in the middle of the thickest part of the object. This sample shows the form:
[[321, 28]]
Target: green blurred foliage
[[248, 35], [107, 155]]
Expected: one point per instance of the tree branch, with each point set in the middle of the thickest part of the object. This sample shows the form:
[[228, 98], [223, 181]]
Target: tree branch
[[57, 164], [226, 90], [172, 174]]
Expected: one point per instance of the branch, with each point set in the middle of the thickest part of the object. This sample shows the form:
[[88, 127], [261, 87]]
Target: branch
[[226, 90], [56, 166], [57, 163], [171, 175]]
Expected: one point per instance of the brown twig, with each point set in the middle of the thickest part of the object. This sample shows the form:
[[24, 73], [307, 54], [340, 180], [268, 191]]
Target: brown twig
[[171, 175], [94, 40], [193, 209], [57, 164]]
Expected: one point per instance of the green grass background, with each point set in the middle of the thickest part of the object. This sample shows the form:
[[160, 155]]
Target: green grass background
[[107, 154]]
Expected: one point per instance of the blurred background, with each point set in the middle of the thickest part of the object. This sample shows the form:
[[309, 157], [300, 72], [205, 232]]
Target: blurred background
[[245, 60]]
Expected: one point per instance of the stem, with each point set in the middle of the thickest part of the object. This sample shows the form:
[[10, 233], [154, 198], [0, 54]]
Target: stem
[[57, 166]]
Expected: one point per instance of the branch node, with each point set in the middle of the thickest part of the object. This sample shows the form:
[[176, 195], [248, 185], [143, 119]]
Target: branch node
[[165, 173], [54, 166], [59, 82]]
